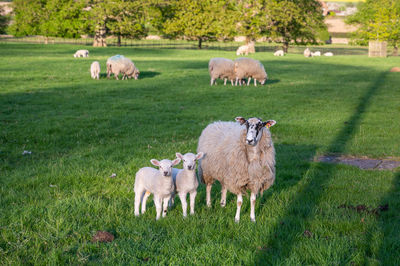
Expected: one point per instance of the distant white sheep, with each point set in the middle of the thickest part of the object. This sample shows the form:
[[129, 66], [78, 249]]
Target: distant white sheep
[[328, 54], [221, 68], [185, 180], [81, 53], [317, 53], [279, 53], [246, 49], [95, 70], [249, 68], [307, 52], [157, 182], [241, 156]]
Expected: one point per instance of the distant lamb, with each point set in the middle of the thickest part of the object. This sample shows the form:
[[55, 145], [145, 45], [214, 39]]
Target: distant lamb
[[307, 52], [249, 68], [279, 53], [328, 54], [221, 68], [95, 70], [246, 49], [185, 180], [81, 53], [317, 53], [241, 156], [158, 182], [119, 64]]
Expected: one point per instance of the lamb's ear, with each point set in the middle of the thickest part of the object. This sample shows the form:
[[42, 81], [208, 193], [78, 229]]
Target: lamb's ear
[[241, 120], [199, 155], [269, 123], [176, 161], [155, 162], [178, 155]]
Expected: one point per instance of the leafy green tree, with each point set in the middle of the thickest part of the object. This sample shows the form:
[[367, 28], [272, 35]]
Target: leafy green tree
[[27, 17], [4, 20], [201, 20], [378, 20]]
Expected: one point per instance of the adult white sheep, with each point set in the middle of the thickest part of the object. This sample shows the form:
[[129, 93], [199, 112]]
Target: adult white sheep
[[241, 156], [279, 53], [185, 180], [249, 68], [119, 64], [221, 68], [328, 54], [81, 53], [158, 182], [317, 53], [95, 70], [246, 49], [307, 52]]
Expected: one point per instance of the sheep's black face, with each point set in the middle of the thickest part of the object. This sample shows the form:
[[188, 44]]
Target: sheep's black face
[[254, 127]]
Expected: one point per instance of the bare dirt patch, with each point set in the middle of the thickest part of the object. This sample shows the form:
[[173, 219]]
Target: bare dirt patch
[[362, 163], [395, 69]]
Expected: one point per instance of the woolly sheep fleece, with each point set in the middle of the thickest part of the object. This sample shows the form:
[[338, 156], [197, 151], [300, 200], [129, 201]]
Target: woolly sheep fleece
[[221, 68], [228, 159], [247, 67], [95, 70]]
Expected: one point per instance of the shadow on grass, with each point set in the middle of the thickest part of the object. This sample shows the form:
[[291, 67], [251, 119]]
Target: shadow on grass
[[310, 194]]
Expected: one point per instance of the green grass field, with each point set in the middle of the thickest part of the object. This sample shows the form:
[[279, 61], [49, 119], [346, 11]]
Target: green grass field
[[80, 131]]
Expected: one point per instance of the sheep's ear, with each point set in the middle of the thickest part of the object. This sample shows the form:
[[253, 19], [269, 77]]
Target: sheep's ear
[[178, 155], [176, 161], [241, 120], [155, 162], [269, 123], [199, 155]]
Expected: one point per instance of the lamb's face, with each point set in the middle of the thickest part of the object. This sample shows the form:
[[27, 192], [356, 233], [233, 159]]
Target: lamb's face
[[165, 166], [189, 160], [254, 126]]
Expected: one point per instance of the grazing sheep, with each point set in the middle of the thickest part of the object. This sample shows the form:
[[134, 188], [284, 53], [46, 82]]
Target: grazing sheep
[[249, 68], [241, 156], [246, 49], [317, 53], [158, 182], [279, 53], [307, 52], [81, 53], [185, 180], [328, 54], [95, 70], [119, 64], [221, 68]]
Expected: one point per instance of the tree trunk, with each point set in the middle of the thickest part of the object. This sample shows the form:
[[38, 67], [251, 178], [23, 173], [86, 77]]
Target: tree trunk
[[119, 40], [100, 37], [285, 46], [46, 40], [395, 50], [200, 41]]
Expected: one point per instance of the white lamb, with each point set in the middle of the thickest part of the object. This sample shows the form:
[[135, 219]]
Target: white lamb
[[250, 68], [158, 182], [81, 53], [317, 53], [307, 52], [185, 180], [221, 68], [241, 156], [246, 49], [95, 70], [328, 54], [279, 53]]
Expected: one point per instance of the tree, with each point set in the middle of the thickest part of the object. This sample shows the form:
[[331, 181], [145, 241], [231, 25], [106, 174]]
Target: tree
[[27, 17], [201, 20], [378, 20], [4, 20]]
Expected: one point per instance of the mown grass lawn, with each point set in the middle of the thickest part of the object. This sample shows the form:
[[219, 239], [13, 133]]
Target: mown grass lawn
[[80, 131]]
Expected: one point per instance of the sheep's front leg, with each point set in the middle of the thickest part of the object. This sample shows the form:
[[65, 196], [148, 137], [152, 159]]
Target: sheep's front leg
[[158, 203], [239, 205], [182, 196], [248, 82], [165, 206], [236, 82], [253, 197], [208, 195], [223, 196], [145, 197], [138, 197], [232, 82], [255, 82], [212, 81], [192, 201], [225, 81]]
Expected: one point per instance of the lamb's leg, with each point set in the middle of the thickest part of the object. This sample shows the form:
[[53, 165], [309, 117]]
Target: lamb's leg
[[138, 198], [255, 82], [145, 197], [192, 201], [239, 205], [208, 195], [248, 82], [172, 200], [223, 196], [165, 206], [158, 203], [182, 196], [212, 81], [253, 197], [225, 81]]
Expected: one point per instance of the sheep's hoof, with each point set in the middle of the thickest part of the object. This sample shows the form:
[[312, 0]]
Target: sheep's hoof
[[136, 214], [209, 205], [253, 220], [223, 204], [237, 220]]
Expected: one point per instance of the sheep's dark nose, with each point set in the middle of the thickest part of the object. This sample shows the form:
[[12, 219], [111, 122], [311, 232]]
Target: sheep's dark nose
[[165, 173], [250, 141]]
